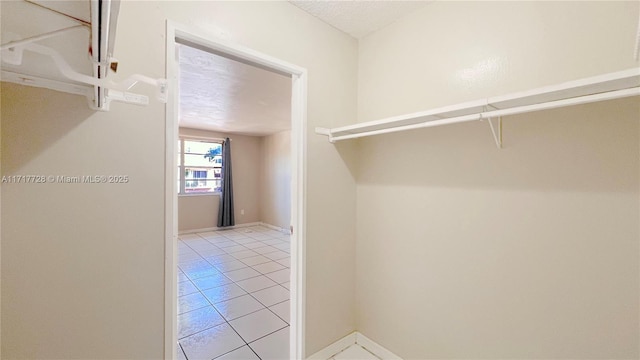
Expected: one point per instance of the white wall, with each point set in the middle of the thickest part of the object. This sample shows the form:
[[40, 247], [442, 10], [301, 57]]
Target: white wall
[[201, 211], [83, 266], [275, 180], [467, 251]]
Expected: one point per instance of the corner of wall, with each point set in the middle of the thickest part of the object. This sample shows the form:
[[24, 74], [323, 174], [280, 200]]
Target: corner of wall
[[1, 174]]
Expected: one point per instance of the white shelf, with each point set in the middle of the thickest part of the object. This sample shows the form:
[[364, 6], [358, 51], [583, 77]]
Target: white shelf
[[48, 47], [598, 88]]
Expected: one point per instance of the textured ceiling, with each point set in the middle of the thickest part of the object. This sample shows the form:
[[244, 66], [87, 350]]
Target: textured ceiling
[[359, 18], [225, 95]]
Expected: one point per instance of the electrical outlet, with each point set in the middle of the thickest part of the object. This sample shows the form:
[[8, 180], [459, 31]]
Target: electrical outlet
[[242, 212]]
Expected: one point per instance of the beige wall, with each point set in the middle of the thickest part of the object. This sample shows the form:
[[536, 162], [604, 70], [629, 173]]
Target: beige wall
[[261, 183], [198, 212], [83, 265], [467, 251], [201, 211], [451, 52], [275, 180]]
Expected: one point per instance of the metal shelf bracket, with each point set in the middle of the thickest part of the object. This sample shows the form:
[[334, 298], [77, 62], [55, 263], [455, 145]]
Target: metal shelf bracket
[[604, 87], [497, 136]]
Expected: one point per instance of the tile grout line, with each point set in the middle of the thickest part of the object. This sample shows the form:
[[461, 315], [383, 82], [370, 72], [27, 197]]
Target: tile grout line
[[235, 297], [262, 337], [181, 349], [221, 316], [201, 291], [265, 307], [236, 259], [236, 318]]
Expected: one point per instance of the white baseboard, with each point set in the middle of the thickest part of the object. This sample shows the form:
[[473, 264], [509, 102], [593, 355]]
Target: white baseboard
[[192, 231], [273, 227], [352, 339], [334, 348], [258, 223], [375, 348]]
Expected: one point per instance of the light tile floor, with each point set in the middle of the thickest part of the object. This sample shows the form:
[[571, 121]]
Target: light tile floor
[[233, 294]]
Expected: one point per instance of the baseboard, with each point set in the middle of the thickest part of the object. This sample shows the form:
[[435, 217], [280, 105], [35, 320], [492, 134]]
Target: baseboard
[[375, 348], [192, 231], [334, 348], [352, 339], [276, 228]]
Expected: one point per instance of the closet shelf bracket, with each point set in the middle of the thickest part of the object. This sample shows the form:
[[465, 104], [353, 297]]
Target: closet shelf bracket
[[497, 135], [12, 53], [616, 85], [325, 131], [18, 43]]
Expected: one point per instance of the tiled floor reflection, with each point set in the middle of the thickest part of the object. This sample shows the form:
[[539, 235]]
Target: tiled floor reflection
[[233, 294]]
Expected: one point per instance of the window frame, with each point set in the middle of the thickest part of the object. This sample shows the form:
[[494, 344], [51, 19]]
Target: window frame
[[182, 166]]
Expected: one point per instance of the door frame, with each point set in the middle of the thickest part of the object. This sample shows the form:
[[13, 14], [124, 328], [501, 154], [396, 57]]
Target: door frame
[[175, 31]]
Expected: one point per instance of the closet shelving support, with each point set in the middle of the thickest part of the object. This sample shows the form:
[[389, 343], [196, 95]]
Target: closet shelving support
[[593, 89], [98, 89]]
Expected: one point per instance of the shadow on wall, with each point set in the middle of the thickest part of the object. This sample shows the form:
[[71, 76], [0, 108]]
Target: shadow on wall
[[568, 149], [39, 128], [348, 151]]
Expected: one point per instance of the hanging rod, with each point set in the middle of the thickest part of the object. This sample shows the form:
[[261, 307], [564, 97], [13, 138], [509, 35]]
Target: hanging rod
[[114, 91], [495, 113], [17, 43], [599, 88], [497, 135]]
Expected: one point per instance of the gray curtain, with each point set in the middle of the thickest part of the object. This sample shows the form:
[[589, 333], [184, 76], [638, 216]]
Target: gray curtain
[[225, 212]]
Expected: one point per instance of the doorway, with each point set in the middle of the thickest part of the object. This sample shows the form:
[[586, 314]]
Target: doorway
[[178, 35]]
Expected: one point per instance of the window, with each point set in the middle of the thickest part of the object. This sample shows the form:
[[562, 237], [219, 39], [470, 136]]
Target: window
[[199, 166]]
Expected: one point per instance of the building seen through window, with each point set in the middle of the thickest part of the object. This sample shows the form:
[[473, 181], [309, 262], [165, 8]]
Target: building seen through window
[[199, 166]]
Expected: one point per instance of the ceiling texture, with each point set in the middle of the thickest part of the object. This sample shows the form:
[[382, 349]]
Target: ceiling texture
[[225, 95], [359, 18], [220, 94]]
